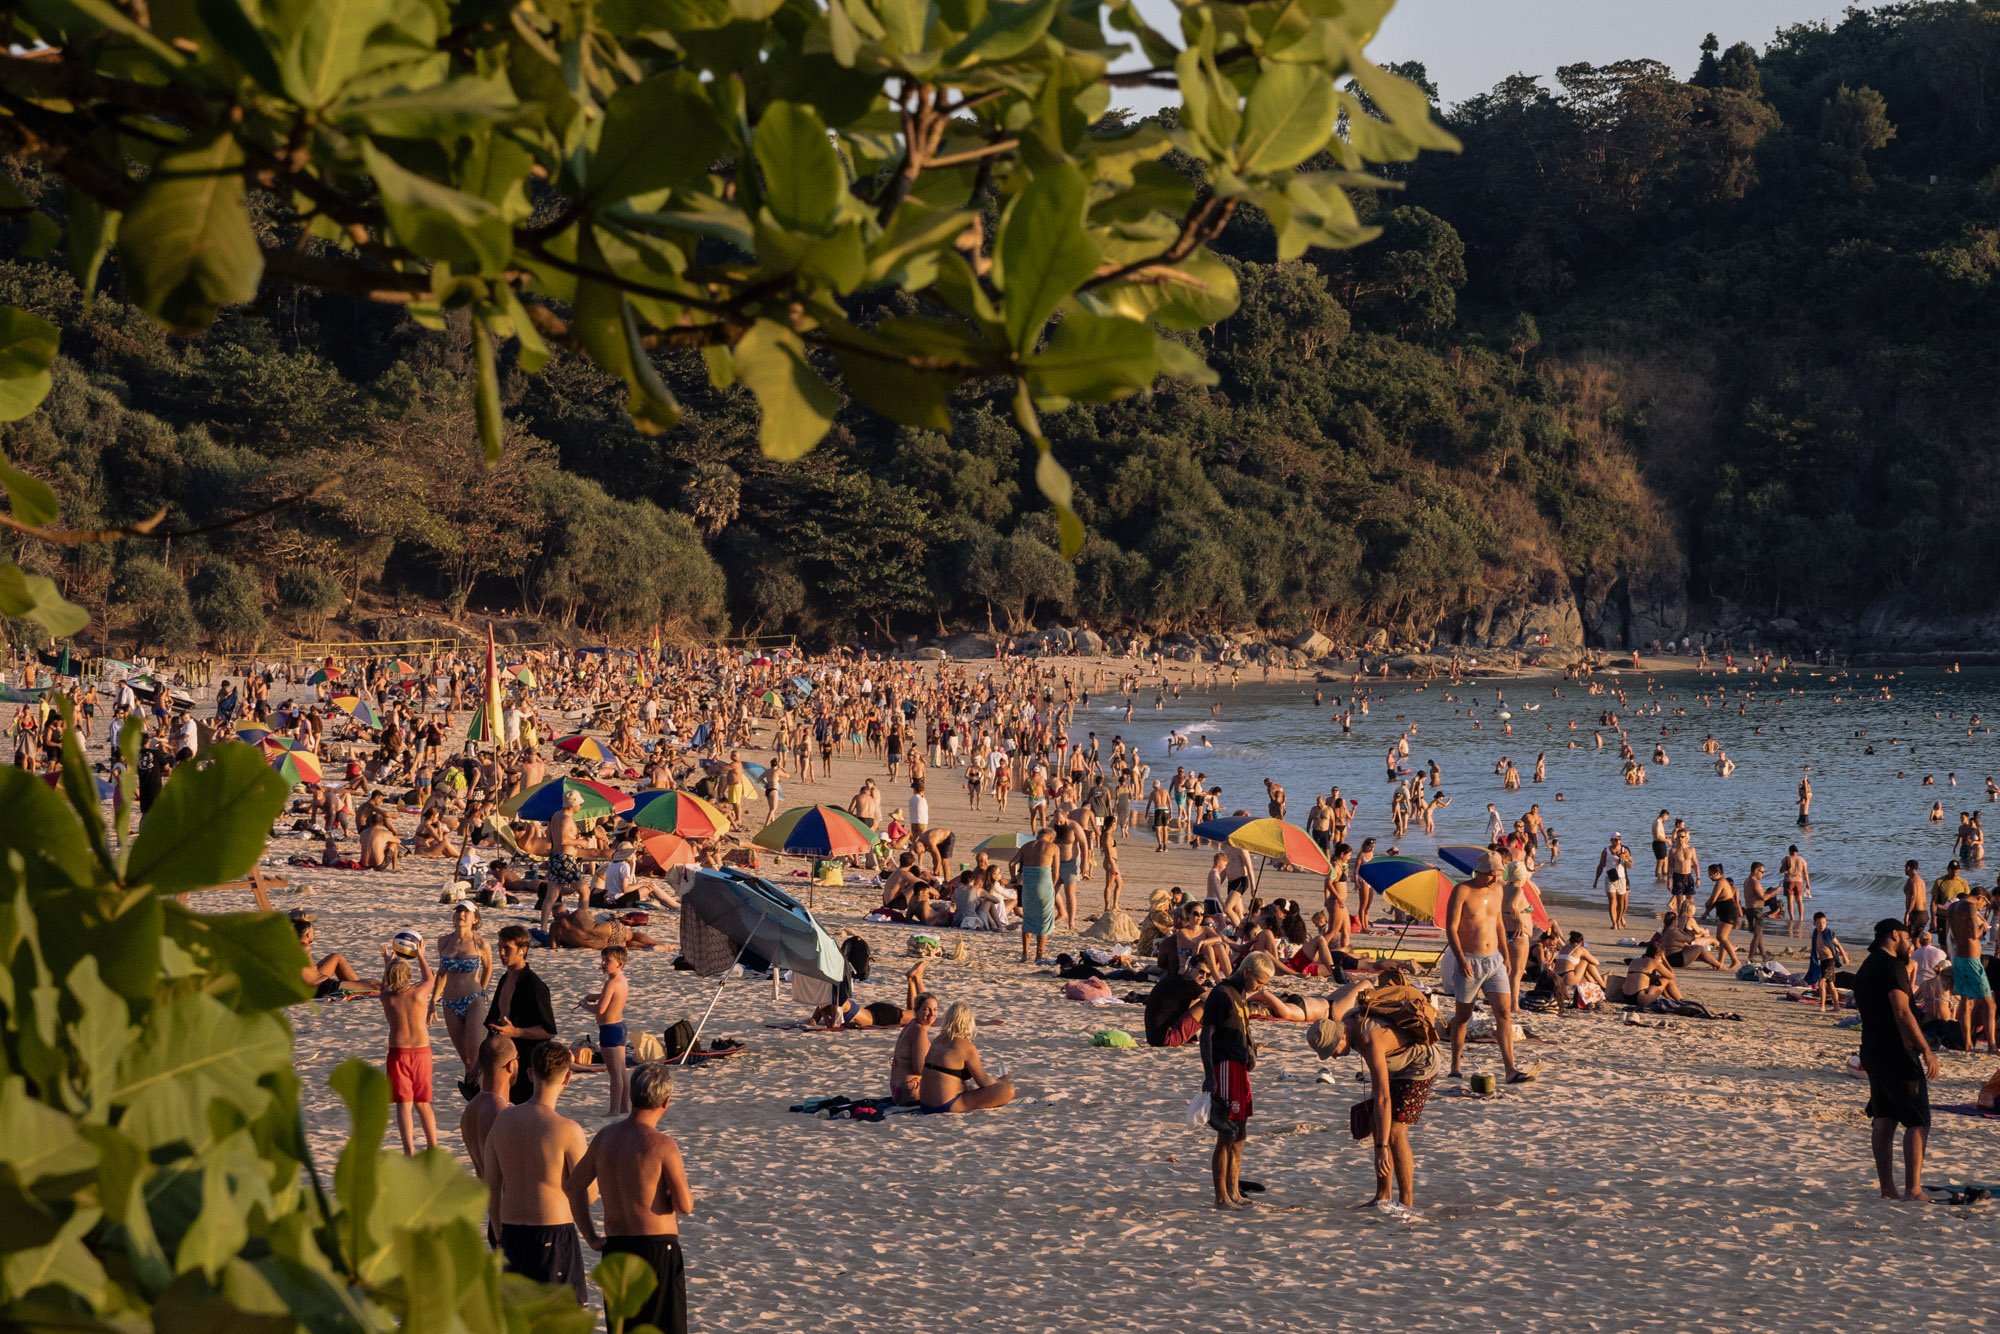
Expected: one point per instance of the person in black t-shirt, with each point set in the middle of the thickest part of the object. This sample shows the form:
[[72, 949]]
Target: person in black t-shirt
[[155, 761], [1898, 1061]]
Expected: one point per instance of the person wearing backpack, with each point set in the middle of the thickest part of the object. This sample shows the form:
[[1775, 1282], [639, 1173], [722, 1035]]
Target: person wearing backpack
[[1394, 1030]]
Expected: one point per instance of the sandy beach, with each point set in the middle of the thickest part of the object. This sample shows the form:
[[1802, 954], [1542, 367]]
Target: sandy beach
[[1704, 1175]]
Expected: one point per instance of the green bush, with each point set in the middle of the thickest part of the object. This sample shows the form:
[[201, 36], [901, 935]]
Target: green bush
[[229, 603], [156, 1173], [161, 617]]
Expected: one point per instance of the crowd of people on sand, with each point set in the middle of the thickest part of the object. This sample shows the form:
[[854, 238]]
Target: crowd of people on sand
[[685, 720]]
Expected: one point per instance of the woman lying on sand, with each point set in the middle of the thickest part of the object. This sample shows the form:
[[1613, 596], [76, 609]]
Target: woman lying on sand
[[1295, 1008], [954, 1079]]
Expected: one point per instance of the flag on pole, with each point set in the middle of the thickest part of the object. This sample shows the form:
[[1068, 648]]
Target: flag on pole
[[486, 723]]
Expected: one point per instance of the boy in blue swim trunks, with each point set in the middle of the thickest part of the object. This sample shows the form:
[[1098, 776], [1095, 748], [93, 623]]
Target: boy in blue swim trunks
[[608, 1008]]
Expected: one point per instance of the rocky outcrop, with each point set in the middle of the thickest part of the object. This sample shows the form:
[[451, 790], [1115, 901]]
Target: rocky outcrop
[[973, 646]]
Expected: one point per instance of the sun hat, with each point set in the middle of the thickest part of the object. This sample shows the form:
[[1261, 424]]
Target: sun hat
[[1324, 1038]]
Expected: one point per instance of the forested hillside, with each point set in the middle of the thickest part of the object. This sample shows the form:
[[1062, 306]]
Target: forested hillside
[[1646, 344]]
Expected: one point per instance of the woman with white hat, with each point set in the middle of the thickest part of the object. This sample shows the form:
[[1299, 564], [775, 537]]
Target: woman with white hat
[[465, 966]]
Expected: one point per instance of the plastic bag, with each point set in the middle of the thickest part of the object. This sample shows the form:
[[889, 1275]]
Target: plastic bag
[[1197, 1111]]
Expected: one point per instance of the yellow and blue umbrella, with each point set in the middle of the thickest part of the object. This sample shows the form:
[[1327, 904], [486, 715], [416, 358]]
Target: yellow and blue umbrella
[[1279, 840]]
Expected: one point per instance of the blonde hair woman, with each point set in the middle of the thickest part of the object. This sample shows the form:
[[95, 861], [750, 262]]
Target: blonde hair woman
[[465, 966], [954, 1079]]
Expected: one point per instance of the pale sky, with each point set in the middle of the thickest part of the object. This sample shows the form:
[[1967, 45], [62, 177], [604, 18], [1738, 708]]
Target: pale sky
[[1470, 45]]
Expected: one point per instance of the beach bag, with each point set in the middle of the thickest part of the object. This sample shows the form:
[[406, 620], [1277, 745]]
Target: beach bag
[[645, 1048], [923, 946]]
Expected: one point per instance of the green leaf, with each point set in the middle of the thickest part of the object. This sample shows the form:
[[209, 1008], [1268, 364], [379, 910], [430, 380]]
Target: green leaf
[[79, 18], [1053, 481], [609, 330], [356, 1176], [1008, 30], [130, 734], [210, 823], [1093, 357], [902, 394], [802, 177], [258, 951], [440, 111], [634, 156], [794, 405], [330, 46], [1044, 250], [65, 1264], [486, 397], [41, 1142], [1208, 102], [193, 1050], [243, 39], [438, 222], [903, 24], [91, 227], [27, 350], [414, 1195], [1196, 293], [626, 1282], [186, 247], [217, 1232], [80, 787], [43, 829], [1288, 118], [34, 597], [100, 1033]]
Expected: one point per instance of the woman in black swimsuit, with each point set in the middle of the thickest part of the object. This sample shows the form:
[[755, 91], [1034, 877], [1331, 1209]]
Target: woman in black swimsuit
[[954, 1079]]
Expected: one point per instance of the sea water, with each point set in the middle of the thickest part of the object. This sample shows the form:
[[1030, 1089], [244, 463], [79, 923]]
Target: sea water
[[1870, 812]]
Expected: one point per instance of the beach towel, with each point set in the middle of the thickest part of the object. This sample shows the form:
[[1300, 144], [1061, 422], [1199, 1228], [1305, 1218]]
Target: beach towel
[[1038, 901]]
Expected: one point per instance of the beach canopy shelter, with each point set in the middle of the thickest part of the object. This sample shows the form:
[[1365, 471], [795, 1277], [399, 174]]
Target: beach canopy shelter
[[758, 918], [1277, 840]]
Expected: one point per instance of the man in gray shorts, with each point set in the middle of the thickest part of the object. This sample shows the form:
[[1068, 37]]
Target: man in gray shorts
[[1473, 963]]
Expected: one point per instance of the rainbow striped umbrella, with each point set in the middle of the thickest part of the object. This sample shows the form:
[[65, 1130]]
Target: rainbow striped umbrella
[[675, 811], [586, 748], [544, 800], [524, 674], [1279, 840], [1466, 858], [1414, 886], [321, 675], [297, 766], [358, 709], [817, 831]]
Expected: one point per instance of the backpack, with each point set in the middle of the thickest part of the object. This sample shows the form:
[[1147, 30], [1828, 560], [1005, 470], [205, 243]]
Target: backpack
[[856, 951], [676, 1040], [1404, 1011]]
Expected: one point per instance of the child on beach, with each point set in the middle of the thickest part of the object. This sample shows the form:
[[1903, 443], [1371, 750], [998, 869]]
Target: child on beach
[[608, 1008], [408, 1004]]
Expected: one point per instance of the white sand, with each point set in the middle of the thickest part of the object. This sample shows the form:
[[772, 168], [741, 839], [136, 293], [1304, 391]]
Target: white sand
[[1714, 1175]]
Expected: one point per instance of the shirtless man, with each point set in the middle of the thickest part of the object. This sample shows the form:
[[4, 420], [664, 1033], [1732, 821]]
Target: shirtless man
[[1474, 962], [530, 1151], [331, 973], [913, 1044], [1916, 899], [497, 1066], [381, 850], [638, 1170], [1660, 847], [565, 868], [1805, 797], [1796, 880], [1965, 925], [1069, 868], [1683, 866]]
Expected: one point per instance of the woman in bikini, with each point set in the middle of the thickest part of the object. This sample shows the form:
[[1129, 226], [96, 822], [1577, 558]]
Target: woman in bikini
[[1294, 1008], [465, 965], [954, 1078]]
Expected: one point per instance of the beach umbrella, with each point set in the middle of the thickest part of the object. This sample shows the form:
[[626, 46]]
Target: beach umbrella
[[357, 708], [525, 675], [667, 849], [297, 766], [1274, 839], [542, 801], [1466, 859], [105, 791], [586, 748], [675, 811], [320, 676], [253, 733], [1409, 885], [404, 668], [817, 831], [802, 685], [756, 916], [1009, 843], [771, 699]]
